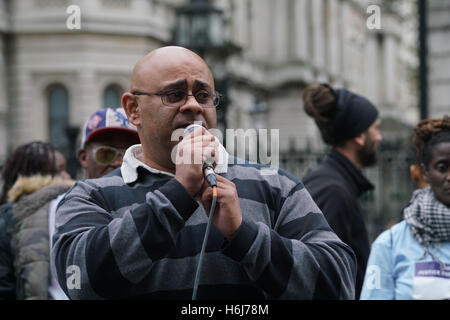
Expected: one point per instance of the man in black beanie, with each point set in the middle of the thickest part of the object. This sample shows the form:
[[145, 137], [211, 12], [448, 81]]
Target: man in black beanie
[[349, 124]]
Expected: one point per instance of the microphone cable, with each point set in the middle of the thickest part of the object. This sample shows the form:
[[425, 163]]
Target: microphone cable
[[205, 240]]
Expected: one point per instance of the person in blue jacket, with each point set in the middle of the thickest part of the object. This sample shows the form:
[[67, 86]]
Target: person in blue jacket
[[412, 259]]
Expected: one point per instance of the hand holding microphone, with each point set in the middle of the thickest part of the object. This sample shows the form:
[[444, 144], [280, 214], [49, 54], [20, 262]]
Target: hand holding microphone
[[208, 165], [227, 217], [195, 158], [192, 176], [189, 173]]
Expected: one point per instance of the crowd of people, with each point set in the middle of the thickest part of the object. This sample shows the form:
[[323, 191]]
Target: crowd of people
[[135, 226]]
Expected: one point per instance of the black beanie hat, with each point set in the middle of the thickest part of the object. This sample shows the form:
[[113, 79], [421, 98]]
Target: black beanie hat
[[355, 114]]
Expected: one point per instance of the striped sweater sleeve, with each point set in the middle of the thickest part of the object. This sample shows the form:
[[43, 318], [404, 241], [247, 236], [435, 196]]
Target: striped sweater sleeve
[[301, 258], [112, 255]]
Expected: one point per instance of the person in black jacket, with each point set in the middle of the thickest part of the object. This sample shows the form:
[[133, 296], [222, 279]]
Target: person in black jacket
[[349, 124]]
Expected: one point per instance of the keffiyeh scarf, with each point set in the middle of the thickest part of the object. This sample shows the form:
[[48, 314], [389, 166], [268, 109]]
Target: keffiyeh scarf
[[428, 218]]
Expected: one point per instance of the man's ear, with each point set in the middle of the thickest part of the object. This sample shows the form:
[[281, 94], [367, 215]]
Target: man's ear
[[360, 140], [130, 105], [82, 157]]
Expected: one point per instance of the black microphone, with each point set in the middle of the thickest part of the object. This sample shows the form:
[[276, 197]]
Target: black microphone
[[208, 168]]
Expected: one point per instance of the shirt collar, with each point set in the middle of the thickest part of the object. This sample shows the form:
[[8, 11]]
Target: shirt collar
[[131, 162]]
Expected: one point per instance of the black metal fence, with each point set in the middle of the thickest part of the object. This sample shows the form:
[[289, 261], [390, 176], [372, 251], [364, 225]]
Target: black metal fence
[[393, 185]]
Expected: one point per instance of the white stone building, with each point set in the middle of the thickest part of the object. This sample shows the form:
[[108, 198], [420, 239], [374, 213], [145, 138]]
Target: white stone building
[[439, 58], [52, 76]]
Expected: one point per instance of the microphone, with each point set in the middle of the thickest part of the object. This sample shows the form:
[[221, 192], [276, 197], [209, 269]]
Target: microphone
[[210, 176], [208, 168]]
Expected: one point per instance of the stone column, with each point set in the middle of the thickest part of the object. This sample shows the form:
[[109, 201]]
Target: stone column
[[240, 22], [371, 69], [318, 33], [279, 24], [3, 88], [3, 105], [345, 32], [86, 99], [27, 121], [261, 34], [334, 45], [301, 31], [438, 58], [390, 69]]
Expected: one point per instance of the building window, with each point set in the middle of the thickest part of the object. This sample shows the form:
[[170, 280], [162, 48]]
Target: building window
[[58, 111], [112, 96]]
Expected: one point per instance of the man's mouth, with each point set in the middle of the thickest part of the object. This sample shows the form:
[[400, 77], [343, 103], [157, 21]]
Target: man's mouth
[[184, 125]]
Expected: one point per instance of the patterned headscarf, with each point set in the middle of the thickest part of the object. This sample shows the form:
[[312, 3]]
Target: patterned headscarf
[[428, 218]]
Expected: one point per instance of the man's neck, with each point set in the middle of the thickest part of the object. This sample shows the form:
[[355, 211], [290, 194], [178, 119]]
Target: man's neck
[[156, 163], [351, 155]]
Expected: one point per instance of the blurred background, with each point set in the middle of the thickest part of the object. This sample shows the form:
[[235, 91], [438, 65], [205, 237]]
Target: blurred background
[[262, 53]]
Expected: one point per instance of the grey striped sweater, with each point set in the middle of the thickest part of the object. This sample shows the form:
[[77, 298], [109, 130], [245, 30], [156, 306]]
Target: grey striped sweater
[[142, 240]]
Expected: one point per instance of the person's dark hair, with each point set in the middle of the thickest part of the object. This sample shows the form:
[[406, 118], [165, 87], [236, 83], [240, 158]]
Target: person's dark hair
[[320, 103], [32, 158], [427, 134]]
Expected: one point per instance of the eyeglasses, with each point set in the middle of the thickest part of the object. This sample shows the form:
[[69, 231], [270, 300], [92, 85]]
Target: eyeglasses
[[178, 98], [105, 155]]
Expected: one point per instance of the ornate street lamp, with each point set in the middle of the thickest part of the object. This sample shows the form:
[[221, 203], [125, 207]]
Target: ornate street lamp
[[200, 27]]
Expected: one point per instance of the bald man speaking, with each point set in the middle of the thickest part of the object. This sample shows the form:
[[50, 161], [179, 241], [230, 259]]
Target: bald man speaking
[[138, 232]]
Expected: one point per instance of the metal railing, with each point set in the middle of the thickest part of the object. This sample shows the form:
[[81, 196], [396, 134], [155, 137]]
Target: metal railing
[[393, 185]]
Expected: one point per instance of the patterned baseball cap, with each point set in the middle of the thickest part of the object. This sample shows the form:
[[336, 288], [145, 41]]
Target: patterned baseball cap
[[105, 120]]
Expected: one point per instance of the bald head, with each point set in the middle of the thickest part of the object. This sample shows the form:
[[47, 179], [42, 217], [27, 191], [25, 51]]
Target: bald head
[[177, 72], [166, 61]]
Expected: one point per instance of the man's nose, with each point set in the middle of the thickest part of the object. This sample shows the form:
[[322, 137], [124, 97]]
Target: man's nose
[[191, 105], [379, 136]]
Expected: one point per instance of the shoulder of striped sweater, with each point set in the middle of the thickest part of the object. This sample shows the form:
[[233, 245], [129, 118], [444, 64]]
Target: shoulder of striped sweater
[[111, 179], [263, 171]]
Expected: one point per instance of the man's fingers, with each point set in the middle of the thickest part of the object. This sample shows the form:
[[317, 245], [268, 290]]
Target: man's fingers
[[198, 144], [224, 181], [207, 194], [198, 152], [196, 137]]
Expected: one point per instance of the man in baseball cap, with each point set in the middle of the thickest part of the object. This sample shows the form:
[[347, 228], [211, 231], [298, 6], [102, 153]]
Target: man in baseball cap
[[105, 137]]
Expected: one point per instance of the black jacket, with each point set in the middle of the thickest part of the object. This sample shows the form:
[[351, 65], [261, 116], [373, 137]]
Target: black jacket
[[7, 277], [335, 185]]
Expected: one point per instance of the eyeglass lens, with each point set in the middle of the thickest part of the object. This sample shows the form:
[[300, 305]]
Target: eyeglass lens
[[106, 155], [203, 97]]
